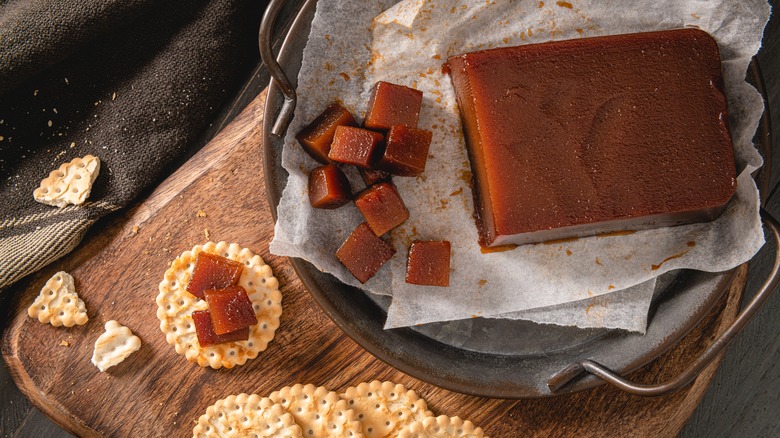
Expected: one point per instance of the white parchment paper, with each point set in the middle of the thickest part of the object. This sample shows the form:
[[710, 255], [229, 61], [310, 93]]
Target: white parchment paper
[[590, 282]]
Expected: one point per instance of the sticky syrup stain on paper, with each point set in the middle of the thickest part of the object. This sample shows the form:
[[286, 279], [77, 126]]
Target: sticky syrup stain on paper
[[676, 256], [500, 248]]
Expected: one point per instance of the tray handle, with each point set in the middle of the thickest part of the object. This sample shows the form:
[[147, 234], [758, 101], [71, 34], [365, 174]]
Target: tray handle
[[571, 372], [275, 70]]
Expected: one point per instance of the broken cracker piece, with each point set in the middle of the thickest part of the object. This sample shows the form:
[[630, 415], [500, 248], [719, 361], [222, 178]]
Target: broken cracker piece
[[113, 346], [58, 303], [385, 408], [246, 415], [442, 427], [175, 306], [70, 184], [318, 411]]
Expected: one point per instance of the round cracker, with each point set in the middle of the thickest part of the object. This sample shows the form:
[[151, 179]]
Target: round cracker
[[385, 408], [442, 427], [246, 416], [319, 411], [175, 306]]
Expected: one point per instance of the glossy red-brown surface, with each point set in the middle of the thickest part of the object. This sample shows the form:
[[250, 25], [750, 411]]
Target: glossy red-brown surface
[[205, 331], [317, 136], [328, 187], [363, 253], [355, 146], [231, 309], [213, 272], [406, 151], [382, 206], [429, 263], [392, 104], [595, 135], [373, 176]]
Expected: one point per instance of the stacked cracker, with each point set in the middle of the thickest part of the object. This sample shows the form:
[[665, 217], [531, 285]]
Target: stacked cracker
[[371, 410], [175, 306]]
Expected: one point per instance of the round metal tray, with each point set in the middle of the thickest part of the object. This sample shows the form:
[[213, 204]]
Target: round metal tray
[[502, 358]]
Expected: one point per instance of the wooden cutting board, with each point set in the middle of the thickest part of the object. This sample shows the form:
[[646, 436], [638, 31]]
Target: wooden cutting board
[[156, 392]]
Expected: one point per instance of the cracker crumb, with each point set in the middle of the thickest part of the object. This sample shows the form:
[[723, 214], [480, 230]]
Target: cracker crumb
[[200, 213], [135, 229], [206, 232], [35, 93], [64, 344], [113, 96], [49, 123], [73, 144]]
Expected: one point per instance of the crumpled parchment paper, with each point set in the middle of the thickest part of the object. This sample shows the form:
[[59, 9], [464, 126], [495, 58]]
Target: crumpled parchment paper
[[589, 282]]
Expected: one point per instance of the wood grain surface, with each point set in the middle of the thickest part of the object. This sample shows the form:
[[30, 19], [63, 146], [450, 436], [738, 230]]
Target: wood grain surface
[[156, 392]]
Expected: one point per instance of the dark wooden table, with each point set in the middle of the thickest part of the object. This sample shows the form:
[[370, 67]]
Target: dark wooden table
[[743, 399]]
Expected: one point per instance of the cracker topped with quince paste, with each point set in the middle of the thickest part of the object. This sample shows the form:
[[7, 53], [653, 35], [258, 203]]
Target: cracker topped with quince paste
[[219, 305]]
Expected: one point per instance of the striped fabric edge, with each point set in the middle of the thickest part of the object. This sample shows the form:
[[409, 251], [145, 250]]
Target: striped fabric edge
[[23, 254]]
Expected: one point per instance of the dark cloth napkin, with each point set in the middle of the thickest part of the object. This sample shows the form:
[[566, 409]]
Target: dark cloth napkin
[[133, 82]]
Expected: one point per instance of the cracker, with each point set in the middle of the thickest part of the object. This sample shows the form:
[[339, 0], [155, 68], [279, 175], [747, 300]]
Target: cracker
[[70, 184], [246, 416], [175, 306], [113, 346], [385, 408], [319, 412], [442, 427], [58, 303]]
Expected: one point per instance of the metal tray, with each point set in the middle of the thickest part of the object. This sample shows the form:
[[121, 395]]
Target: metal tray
[[503, 358]]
